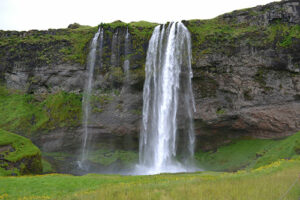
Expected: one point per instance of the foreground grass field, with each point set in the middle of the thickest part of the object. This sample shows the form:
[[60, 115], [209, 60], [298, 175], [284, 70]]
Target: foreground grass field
[[264, 183]]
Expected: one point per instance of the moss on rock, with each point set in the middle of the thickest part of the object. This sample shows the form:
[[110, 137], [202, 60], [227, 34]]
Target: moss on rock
[[18, 155], [27, 114]]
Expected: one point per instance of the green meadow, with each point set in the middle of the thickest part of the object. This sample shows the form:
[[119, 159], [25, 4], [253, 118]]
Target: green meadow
[[263, 169], [268, 182]]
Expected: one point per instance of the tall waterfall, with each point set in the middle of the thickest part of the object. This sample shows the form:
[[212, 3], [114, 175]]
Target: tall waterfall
[[167, 136], [86, 107]]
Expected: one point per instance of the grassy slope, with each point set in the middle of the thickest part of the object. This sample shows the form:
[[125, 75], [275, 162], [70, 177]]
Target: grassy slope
[[268, 182], [27, 114], [23, 146], [23, 149], [252, 153]]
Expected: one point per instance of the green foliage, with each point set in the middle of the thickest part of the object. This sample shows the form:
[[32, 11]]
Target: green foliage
[[219, 36], [282, 149], [138, 74], [137, 111], [60, 156], [79, 39], [249, 153], [23, 147], [63, 109], [24, 113], [260, 78], [69, 45], [19, 155], [102, 98], [47, 167], [216, 31], [282, 34], [117, 75], [220, 111], [114, 25], [107, 157], [233, 156], [131, 25], [144, 24], [4, 172]]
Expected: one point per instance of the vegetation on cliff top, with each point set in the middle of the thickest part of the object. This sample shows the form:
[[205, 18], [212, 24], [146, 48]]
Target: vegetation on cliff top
[[18, 155], [62, 45], [220, 36], [45, 47]]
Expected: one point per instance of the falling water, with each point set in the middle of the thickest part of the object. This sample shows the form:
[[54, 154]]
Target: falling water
[[126, 53], [167, 136], [115, 47], [86, 107]]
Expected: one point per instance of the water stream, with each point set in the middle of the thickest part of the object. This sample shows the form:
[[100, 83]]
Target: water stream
[[86, 107], [167, 135]]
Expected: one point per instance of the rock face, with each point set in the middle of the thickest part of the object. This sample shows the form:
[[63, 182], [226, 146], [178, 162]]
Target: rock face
[[246, 81], [249, 84]]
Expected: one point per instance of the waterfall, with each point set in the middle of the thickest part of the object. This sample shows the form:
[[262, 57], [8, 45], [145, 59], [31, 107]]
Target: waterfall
[[86, 107], [126, 54], [115, 48], [167, 135]]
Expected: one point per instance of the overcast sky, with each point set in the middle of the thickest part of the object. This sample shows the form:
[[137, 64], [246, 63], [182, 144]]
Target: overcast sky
[[44, 14]]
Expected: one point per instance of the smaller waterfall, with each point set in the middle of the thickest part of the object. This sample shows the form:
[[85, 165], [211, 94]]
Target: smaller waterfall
[[86, 107], [126, 54], [115, 48], [101, 48]]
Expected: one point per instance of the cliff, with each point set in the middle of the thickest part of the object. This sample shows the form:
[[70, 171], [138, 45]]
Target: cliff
[[246, 72], [246, 81]]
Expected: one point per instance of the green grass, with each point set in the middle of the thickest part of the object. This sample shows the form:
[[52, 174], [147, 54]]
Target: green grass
[[219, 36], [269, 182], [144, 24], [21, 152], [61, 156], [283, 34], [108, 157], [28, 114], [47, 168], [71, 43], [249, 153]]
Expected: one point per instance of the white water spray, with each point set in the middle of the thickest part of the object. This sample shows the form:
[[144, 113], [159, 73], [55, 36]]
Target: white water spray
[[86, 107], [167, 136]]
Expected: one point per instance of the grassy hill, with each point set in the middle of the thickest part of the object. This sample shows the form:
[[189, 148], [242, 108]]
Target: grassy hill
[[18, 155], [249, 153]]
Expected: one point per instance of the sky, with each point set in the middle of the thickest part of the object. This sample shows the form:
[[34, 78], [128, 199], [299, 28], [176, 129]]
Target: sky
[[45, 14]]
